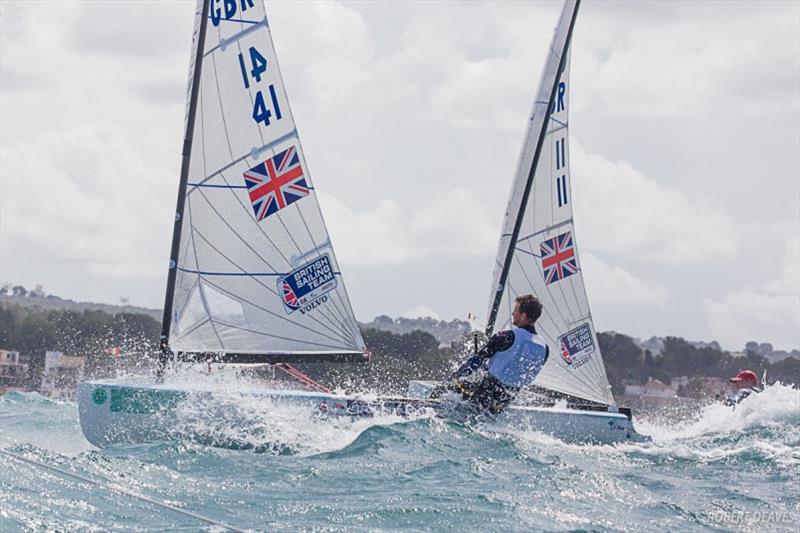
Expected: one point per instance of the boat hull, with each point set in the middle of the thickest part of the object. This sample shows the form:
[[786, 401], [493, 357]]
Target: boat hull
[[123, 414]]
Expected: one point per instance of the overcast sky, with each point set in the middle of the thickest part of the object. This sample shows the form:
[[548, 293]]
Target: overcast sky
[[685, 142]]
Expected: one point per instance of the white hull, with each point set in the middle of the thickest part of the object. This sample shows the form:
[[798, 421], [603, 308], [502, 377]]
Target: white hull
[[122, 414]]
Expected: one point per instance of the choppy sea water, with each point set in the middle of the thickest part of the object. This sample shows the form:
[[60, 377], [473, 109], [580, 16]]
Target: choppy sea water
[[722, 470]]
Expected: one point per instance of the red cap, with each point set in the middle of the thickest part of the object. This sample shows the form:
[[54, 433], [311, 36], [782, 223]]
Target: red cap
[[745, 375]]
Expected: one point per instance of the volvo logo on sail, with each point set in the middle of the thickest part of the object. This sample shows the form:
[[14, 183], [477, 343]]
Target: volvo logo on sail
[[310, 282]]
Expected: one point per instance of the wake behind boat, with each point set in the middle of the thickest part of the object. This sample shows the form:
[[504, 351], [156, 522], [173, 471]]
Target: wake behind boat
[[253, 277]]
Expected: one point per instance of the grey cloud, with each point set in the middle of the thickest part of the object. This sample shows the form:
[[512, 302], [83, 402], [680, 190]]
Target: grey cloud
[[166, 92], [12, 80], [133, 28]]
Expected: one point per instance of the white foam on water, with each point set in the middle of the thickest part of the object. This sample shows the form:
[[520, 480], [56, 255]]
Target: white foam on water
[[256, 421], [713, 435], [776, 404]]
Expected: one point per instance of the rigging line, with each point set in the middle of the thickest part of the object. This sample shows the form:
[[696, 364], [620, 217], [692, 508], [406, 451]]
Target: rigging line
[[545, 230], [572, 287], [250, 90], [203, 294], [257, 254], [595, 363], [216, 186], [531, 285], [224, 43], [114, 488], [257, 225], [279, 216], [221, 107], [540, 136], [562, 125], [210, 318], [242, 239], [543, 331], [344, 322], [274, 293], [589, 386], [265, 236], [223, 19], [189, 240], [273, 336], [561, 287], [186, 302], [524, 251], [306, 341], [315, 245], [260, 274], [252, 153], [194, 327], [269, 289]]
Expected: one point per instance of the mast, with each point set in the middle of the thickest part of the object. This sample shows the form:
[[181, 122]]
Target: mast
[[512, 244], [166, 321]]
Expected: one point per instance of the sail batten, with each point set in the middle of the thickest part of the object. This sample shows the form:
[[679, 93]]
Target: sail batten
[[257, 273], [537, 252]]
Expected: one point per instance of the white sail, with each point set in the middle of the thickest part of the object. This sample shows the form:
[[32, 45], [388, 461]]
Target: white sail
[[544, 260], [256, 272]]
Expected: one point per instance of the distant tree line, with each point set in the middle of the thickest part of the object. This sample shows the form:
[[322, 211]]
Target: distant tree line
[[398, 357], [627, 363], [32, 331]]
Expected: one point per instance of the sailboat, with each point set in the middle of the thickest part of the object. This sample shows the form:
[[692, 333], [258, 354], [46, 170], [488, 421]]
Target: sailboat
[[253, 277], [537, 254]]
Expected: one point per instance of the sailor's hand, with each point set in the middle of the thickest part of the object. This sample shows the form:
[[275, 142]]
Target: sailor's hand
[[469, 366]]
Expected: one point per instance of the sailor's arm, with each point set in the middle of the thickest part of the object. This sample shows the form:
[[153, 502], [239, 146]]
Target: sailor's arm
[[498, 342]]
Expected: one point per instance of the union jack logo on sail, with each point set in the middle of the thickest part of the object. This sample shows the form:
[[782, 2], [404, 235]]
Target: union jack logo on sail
[[565, 352], [290, 297], [558, 258], [277, 182]]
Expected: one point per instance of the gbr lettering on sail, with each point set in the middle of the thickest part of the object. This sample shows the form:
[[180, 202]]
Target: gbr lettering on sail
[[252, 63]]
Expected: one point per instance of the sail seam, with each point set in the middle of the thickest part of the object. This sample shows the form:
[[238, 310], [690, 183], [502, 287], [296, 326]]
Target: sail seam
[[224, 43], [274, 293], [205, 273], [267, 146], [257, 254], [545, 230]]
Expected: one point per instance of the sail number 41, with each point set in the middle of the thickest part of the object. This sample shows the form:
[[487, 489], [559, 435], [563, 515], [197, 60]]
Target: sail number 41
[[258, 65]]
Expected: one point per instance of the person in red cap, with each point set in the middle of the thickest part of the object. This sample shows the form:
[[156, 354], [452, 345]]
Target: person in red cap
[[746, 382]]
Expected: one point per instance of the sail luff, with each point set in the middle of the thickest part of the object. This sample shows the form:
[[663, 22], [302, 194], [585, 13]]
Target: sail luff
[[166, 321], [500, 288]]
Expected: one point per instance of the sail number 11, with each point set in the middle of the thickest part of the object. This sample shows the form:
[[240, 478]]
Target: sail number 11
[[257, 66]]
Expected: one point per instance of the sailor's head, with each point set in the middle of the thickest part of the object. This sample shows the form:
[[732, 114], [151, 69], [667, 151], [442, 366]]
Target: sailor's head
[[527, 310], [745, 378]]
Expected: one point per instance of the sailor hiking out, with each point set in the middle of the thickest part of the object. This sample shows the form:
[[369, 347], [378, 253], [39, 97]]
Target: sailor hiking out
[[746, 383], [510, 360]]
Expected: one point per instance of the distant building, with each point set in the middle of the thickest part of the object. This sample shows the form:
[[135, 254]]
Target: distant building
[[653, 388], [61, 374], [445, 332], [37, 292], [708, 387], [13, 372]]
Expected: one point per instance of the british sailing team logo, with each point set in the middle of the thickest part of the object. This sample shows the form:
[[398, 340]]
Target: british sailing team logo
[[277, 182], [306, 287], [577, 346]]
